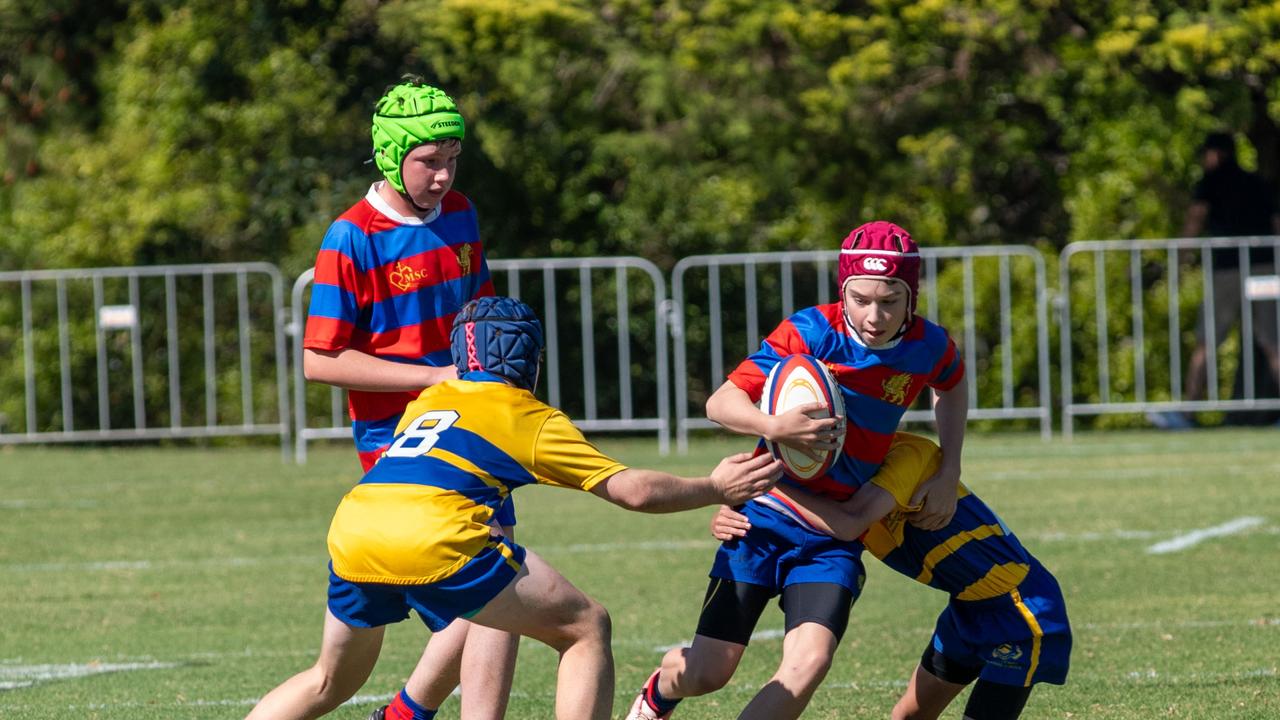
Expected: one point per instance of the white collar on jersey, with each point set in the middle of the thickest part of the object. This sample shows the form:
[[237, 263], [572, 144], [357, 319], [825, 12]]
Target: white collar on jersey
[[381, 206], [857, 337]]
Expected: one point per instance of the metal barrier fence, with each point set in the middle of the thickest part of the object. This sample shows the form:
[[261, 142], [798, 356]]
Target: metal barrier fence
[[600, 315], [198, 351], [110, 354], [1006, 348], [1143, 298]]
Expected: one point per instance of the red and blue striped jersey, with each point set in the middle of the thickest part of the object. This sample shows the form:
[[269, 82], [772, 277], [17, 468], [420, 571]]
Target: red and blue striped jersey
[[390, 285], [878, 384]]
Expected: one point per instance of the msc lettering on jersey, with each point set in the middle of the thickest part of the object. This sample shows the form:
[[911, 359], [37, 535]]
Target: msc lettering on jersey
[[895, 388], [406, 278]]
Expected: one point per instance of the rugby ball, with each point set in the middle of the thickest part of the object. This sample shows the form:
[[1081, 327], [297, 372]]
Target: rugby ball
[[797, 380]]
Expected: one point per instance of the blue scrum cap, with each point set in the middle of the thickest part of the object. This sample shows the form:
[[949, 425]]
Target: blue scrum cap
[[500, 335]]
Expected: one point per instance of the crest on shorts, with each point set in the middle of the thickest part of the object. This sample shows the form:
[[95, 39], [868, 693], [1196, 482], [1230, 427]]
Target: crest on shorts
[[1006, 652], [895, 388]]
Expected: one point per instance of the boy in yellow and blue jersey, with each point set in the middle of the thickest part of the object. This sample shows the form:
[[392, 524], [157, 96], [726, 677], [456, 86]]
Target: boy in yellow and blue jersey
[[415, 532], [1006, 622]]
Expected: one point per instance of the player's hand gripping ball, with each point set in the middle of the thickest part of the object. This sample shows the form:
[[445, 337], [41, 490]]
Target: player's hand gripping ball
[[798, 380]]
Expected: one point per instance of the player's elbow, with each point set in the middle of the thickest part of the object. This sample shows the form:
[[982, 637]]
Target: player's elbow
[[716, 406], [627, 490], [634, 496], [314, 367]]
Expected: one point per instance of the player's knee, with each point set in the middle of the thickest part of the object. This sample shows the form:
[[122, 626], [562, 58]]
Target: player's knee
[[585, 621], [702, 678], [904, 710], [598, 624], [806, 666], [330, 688]]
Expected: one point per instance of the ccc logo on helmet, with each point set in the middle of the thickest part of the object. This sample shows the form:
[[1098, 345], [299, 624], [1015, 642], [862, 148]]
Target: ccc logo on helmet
[[875, 264]]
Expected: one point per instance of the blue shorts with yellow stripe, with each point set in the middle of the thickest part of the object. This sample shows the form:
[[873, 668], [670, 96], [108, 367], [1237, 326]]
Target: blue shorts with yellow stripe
[[778, 552], [462, 594], [1019, 638]]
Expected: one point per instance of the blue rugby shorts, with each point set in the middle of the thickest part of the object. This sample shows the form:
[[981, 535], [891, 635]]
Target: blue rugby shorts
[[777, 553], [1019, 638], [462, 594]]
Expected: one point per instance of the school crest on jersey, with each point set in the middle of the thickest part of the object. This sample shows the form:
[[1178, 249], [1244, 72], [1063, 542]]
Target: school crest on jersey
[[895, 389], [464, 259], [406, 278]]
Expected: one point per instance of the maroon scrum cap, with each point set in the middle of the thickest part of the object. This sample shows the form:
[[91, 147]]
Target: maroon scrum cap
[[883, 251]]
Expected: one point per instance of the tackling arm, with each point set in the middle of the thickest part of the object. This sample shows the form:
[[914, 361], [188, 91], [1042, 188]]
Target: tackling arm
[[937, 496], [846, 520], [735, 480]]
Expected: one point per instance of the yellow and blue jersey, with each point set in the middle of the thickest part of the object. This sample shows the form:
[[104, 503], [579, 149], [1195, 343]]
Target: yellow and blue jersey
[[423, 511], [1006, 619], [974, 557]]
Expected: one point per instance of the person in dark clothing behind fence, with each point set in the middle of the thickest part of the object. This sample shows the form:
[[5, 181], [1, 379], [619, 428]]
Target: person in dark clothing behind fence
[[1228, 201]]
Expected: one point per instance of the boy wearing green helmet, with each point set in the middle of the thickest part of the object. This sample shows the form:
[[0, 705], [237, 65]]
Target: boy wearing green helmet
[[411, 121], [391, 274]]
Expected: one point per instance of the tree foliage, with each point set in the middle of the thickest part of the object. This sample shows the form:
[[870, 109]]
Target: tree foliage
[[145, 131]]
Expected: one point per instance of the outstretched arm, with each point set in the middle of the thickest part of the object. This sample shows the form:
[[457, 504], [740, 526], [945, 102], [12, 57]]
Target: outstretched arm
[[735, 480]]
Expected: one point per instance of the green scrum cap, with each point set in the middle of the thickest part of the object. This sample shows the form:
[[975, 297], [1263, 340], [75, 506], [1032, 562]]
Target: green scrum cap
[[408, 115]]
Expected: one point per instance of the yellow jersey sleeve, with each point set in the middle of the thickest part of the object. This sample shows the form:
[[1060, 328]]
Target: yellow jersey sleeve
[[912, 459], [563, 457]]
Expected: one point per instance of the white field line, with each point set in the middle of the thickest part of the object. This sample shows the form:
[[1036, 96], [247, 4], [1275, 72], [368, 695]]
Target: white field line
[[243, 702], [13, 677], [1141, 677], [771, 634], [1135, 473], [1186, 540], [1148, 676], [40, 504], [777, 633], [581, 548]]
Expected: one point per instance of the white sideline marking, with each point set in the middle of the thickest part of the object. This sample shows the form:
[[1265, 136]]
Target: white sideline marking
[[771, 634], [668, 545], [1136, 677], [13, 677], [613, 547], [1256, 622], [1134, 473], [23, 504], [1182, 542]]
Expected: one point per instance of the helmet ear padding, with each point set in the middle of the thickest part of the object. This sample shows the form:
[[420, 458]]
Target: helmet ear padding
[[408, 115], [499, 335]]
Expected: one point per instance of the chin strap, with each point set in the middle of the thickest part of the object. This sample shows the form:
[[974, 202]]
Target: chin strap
[[414, 203], [848, 325]]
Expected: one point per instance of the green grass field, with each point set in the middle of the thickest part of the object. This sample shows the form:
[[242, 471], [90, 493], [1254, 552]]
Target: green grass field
[[185, 583]]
